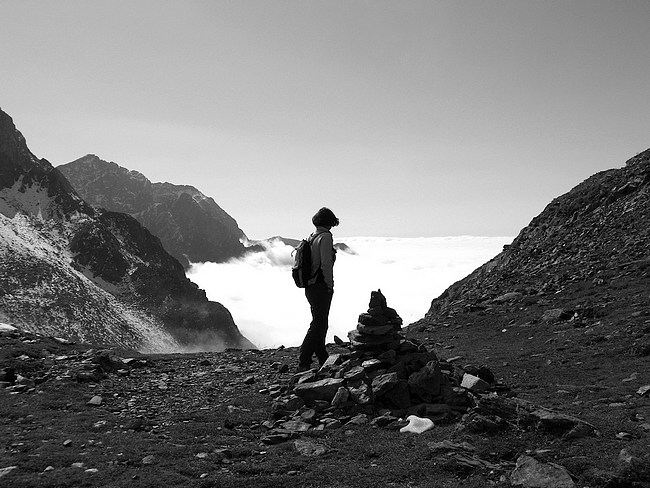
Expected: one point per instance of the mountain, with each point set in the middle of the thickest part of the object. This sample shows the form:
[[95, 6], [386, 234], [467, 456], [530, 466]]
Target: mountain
[[69, 270], [191, 226], [583, 247]]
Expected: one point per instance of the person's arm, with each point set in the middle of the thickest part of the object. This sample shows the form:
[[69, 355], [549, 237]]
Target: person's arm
[[327, 258]]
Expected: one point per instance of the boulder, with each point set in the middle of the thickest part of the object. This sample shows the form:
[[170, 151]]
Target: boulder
[[318, 390], [425, 384], [531, 473], [381, 384]]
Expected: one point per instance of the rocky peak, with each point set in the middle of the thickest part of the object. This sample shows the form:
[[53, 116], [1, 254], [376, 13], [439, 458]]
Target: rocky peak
[[191, 226], [97, 276], [32, 185], [598, 231]]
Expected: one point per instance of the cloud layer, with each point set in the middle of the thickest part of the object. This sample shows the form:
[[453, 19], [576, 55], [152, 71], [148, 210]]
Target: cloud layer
[[271, 311]]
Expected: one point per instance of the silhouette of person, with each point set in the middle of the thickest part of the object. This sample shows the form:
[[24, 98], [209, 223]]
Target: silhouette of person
[[320, 288]]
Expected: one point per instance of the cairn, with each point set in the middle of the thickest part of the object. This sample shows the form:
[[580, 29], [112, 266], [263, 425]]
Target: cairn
[[383, 377], [378, 330]]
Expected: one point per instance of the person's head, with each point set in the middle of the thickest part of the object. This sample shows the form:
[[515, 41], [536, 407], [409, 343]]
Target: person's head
[[325, 218]]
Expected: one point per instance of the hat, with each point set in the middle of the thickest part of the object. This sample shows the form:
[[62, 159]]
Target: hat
[[325, 218]]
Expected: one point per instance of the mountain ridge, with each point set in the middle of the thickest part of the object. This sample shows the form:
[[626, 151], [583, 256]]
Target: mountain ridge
[[91, 274], [577, 242], [191, 225]]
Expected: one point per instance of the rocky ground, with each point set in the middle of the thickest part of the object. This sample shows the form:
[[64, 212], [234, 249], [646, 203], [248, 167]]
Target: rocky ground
[[572, 408]]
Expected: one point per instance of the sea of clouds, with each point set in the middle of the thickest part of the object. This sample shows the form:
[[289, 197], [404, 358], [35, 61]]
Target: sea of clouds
[[271, 311]]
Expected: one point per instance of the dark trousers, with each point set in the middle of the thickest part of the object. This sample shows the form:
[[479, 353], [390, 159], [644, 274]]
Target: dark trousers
[[320, 299]]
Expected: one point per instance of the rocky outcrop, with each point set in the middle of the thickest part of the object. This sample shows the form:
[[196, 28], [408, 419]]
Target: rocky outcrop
[[597, 232], [69, 270], [191, 226]]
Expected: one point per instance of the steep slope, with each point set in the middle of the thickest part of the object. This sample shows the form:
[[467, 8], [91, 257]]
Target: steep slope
[[587, 243], [191, 226], [92, 275]]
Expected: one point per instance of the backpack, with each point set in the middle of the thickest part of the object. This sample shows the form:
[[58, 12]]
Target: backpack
[[301, 269]]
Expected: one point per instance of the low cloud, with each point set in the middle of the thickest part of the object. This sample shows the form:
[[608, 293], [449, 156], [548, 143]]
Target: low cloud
[[271, 311]]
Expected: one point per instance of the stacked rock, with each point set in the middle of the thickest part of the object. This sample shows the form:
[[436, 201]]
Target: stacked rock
[[380, 379], [378, 329]]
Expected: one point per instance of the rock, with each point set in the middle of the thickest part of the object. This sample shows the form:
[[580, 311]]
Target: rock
[[371, 364], [296, 426], [67, 443], [558, 422], [556, 315], [399, 396], [7, 328], [293, 402], [308, 416], [426, 383], [8, 375], [276, 437], [429, 409], [644, 391], [361, 419], [341, 397], [249, 380], [356, 373], [530, 473], [8, 469], [417, 425], [480, 424], [309, 448], [332, 424], [579, 431], [447, 445], [508, 297], [150, 459], [381, 384], [375, 330], [95, 401], [474, 383], [625, 456], [331, 361], [108, 362], [318, 390], [383, 420], [361, 394]]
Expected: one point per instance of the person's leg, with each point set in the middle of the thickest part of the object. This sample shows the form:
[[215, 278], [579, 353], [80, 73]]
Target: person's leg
[[321, 351], [319, 298]]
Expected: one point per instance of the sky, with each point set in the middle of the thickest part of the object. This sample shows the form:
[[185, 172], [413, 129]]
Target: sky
[[408, 119], [271, 311]]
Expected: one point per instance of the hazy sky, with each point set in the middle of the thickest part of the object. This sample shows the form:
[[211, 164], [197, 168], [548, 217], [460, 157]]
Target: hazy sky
[[407, 118]]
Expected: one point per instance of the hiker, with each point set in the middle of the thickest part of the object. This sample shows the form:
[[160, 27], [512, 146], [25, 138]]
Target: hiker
[[320, 288]]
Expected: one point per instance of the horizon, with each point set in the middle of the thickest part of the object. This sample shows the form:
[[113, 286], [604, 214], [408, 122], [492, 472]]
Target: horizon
[[271, 311], [426, 118]]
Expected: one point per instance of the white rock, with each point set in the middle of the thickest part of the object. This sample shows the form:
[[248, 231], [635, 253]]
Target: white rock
[[8, 469], [96, 400], [417, 425], [474, 383], [7, 328], [644, 390]]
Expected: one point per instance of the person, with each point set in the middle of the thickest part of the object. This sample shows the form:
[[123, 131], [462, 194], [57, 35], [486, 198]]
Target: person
[[320, 288]]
